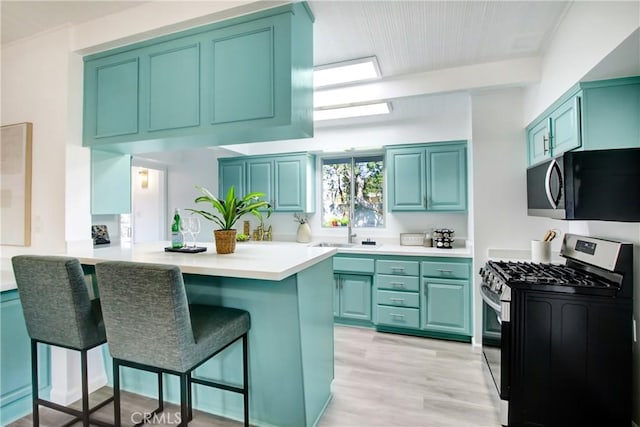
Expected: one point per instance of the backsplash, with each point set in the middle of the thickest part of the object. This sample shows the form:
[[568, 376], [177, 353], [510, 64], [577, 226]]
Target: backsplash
[[284, 227]]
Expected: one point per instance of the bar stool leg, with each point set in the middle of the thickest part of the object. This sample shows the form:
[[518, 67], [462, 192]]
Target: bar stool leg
[[160, 393], [184, 410], [85, 389], [116, 393], [245, 374], [34, 383], [189, 396]]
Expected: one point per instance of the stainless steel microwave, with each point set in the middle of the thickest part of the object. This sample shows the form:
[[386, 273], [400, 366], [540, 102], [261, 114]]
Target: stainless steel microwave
[[587, 185]]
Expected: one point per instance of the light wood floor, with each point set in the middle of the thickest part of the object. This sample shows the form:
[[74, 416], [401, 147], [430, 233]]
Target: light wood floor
[[380, 380]]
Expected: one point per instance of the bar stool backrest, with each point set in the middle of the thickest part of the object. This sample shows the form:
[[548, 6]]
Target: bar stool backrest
[[55, 301], [146, 312]]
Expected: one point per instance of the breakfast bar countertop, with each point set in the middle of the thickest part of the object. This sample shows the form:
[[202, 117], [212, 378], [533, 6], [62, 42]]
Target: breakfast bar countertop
[[271, 261]]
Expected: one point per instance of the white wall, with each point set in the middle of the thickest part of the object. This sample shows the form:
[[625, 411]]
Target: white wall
[[589, 31], [35, 86], [499, 217]]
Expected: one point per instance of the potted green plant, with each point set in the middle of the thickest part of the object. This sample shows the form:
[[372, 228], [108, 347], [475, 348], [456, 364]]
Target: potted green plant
[[228, 212]]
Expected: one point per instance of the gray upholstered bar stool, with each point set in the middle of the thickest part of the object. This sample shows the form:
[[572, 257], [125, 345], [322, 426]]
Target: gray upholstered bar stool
[[151, 326], [58, 311]]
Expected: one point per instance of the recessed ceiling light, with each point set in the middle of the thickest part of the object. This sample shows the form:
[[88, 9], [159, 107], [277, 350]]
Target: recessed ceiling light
[[346, 72], [352, 111]]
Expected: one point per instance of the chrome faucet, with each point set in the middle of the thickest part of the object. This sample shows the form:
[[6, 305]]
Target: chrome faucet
[[350, 235]]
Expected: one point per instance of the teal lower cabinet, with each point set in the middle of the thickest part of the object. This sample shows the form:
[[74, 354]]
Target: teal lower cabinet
[[15, 361], [445, 306], [423, 296], [352, 299], [353, 277]]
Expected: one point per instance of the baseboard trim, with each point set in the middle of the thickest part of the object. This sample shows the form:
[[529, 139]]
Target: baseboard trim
[[67, 397]]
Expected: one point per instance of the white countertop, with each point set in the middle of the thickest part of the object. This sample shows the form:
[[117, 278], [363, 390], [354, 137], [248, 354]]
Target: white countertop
[[391, 249], [250, 260]]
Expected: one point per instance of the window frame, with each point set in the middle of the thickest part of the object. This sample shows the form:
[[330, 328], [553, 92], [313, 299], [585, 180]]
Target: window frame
[[353, 158]]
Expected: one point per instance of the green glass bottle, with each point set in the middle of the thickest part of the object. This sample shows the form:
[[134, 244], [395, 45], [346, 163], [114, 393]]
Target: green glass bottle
[[176, 236]]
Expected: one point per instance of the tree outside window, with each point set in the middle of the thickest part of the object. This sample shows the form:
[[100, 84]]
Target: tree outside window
[[353, 185]]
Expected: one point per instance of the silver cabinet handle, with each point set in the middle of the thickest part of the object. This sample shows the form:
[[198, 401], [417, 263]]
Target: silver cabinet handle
[[397, 300], [445, 271], [545, 144], [397, 269], [397, 316], [397, 284]]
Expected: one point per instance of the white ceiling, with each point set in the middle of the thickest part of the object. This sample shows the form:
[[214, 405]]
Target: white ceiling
[[406, 36], [413, 36]]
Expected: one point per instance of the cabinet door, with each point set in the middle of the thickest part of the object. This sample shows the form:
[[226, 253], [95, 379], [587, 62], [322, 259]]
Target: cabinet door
[[538, 142], [406, 175], [565, 127], [111, 97], [174, 85], [355, 297], [260, 177], [243, 80], [290, 188], [446, 178], [445, 306], [231, 172], [110, 183]]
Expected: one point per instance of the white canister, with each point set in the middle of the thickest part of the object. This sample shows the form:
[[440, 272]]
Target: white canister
[[540, 251], [304, 233]]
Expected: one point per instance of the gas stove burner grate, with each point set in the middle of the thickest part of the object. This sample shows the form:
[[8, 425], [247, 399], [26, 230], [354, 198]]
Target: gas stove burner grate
[[546, 274]]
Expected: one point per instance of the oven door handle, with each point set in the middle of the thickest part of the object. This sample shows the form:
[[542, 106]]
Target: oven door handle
[[485, 292]]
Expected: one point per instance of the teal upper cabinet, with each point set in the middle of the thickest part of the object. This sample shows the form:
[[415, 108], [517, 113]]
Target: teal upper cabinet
[[231, 172], [590, 116], [431, 177], [611, 114], [539, 148], [110, 183], [557, 132], [287, 180], [407, 176], [446, 177], [174, 85], [114, 97], [260, 177], [247, 79]]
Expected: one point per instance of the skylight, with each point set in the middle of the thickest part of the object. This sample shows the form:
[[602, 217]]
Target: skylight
[[346, 72], [337, 103]]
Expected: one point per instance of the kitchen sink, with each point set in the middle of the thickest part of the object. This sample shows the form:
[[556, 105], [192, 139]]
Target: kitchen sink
[[334, 245]]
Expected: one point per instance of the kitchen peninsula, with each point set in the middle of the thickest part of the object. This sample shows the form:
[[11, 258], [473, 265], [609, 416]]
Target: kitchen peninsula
[[288, 291]]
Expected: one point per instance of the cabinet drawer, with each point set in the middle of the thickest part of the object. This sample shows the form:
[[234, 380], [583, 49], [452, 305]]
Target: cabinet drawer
[[353, 265], [397, 283], [403, 268], [399, 299], [445, 270], [398, 316]]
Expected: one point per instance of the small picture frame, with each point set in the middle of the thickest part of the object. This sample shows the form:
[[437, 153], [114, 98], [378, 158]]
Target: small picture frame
[[100, 235]]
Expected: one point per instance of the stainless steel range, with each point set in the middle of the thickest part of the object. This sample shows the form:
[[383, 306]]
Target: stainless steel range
[[557, 339]]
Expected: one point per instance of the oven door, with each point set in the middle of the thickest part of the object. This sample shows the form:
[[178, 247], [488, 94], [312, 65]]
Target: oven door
[[496, 343]]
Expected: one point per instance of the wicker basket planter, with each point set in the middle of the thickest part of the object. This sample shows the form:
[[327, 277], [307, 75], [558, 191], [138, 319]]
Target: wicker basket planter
[[225, 241]]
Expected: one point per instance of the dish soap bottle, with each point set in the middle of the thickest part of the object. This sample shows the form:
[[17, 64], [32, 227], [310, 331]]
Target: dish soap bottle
[[176, 237]]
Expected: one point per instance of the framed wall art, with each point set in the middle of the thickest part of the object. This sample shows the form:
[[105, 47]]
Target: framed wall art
[[15, 184]]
